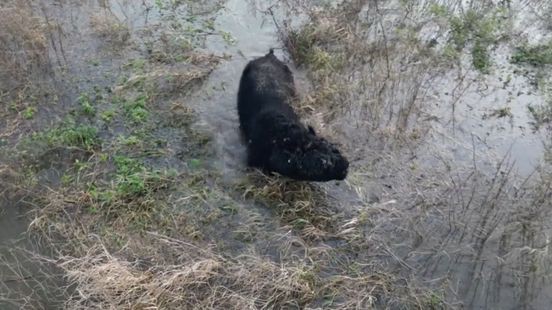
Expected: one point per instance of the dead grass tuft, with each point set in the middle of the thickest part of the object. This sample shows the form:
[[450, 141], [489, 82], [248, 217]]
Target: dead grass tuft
[[358, 67], [302, 205], [198, 279], [23, 44], [110, 28], [170, 80]]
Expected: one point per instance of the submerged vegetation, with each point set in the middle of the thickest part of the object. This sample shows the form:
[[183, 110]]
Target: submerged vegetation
[[121, 160], [539, 55], [476, 29]]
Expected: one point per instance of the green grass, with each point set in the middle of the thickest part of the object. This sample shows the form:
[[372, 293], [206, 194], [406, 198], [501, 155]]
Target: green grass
[[70, 135], [108, 115], [137, 65], [86, 105], [480, 56], [131, 140], [538, 55], [29, 112], [135, 109], [132, 182], [479, 29], [130, 177]]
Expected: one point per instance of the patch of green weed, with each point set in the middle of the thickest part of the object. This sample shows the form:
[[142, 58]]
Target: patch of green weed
[[137, 65], [29, 112], [136, 109], [80, 136], [228, 38], [130, 178], [108, 115], [131, 140], [534, 55], [479, 29], [86, 105]]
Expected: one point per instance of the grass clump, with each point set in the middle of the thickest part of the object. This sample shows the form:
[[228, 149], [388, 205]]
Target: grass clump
[[136, 110], [481, 29], [541, 114], [309, 46], [69, 135], [108, 115], [534, 55], [86, 105], [301, 205], [29, 113]]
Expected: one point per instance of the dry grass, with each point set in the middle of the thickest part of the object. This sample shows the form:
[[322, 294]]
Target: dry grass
[[172, 80], [110, 28], [198, 279], [302, 205], [24, 45], [368, 74]]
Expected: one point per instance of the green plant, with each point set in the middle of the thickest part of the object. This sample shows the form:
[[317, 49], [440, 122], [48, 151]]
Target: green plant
[[481, 29], [86, 105], [534, 55], [80, 136], [137, 65], [136, 109], [29, 112], [129, 178], [108, 115]]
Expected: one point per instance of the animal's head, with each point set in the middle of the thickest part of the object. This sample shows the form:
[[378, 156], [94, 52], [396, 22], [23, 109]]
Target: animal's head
[[315, 159]]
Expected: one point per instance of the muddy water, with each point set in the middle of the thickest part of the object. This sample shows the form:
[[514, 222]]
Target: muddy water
[[470, 112], [12, 229], [255, 33], [508, 267]]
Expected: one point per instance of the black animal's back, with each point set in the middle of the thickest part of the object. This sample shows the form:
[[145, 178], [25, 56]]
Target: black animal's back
[[266, 83], [276, 139]]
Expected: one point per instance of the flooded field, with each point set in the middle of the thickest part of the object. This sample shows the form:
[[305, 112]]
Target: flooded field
[[123, 176]]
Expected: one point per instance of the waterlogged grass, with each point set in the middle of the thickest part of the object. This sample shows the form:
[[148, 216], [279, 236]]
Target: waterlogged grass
[[538, 55], [307, 47], [301, 205], [147, 219], [478, 30]]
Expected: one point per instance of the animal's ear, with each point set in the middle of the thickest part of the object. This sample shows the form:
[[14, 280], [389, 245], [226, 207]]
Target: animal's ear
[[311, 130]]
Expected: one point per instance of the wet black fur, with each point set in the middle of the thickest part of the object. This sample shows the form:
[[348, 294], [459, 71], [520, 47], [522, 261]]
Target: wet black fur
[[276, 139]]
